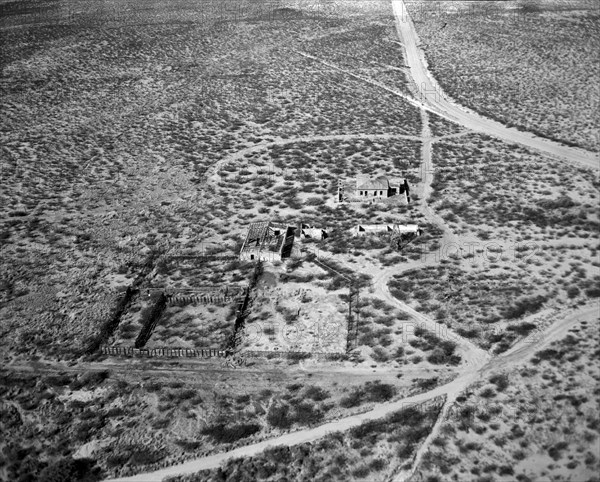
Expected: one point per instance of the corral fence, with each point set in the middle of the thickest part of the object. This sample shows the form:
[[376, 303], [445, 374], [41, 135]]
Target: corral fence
[[165, 352], [200, 258], [298, 355], [212, 353], [206, 295]]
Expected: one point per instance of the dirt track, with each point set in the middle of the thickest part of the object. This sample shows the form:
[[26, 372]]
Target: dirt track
[[477, 362], [516, 355], [436, 101]]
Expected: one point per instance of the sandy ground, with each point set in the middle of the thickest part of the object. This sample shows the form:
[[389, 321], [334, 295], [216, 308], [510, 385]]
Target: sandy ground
[[476, 361], [517, 354], [466, 117]]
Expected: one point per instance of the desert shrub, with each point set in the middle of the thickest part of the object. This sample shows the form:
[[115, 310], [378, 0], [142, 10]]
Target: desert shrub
[[426, 383], [487, 392], [89, 380], [380, 355], [547, 354], [297, 356], [317, 394], [362, 471], [307, 414], [221, 433], [160, 423], [378, 464], [524, 306], [500, 380], [71, 470], [242, 398], [380, 392], [189, 445], [143, 456], [278, 416], [353, 399], [58, 380], [523, 329], [556, 450]]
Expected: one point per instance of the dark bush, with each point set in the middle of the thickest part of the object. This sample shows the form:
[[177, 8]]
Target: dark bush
[[523, 329], [379, 392], [317, 394], [362, 471], [307, 414], [221, 433], [524, 306], [500, 380], [71, 470], [353, 399], [89, 380], [278, 416]]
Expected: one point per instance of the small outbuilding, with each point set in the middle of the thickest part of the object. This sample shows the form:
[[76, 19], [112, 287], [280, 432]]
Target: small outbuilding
[[312, 232]]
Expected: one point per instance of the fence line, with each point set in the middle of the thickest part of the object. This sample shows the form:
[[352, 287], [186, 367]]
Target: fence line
[[211, 353], [200, 299], [164, 352], [293, 354]]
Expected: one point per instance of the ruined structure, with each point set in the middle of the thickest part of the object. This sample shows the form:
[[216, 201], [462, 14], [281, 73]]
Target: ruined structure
[[267, 242], [311, 232], [365, 229], [206, 295], [364, 189]]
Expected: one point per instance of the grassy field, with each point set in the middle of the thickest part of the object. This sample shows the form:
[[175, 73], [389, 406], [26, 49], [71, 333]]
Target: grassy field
[[533, 65]]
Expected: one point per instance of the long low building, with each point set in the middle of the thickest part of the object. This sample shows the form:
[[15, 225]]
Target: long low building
[[365, 229], [377, 189]]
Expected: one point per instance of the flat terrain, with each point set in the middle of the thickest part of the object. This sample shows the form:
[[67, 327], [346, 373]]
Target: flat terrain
[[527, 65], [139, 144], [432, 97], [530, 423]]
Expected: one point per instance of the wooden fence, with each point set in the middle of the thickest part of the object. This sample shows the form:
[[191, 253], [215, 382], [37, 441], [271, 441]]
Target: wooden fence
[[299, 355], [165, 352], [211, 353]]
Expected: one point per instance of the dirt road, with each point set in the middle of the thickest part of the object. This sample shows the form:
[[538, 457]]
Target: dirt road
[[477, 361], [436, 101], [519, 353]]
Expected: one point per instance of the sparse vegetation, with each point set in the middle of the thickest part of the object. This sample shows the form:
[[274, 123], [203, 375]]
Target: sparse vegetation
[[372, 451], [536, 419], [534, 68]]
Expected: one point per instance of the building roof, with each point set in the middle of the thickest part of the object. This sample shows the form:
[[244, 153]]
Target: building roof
[[380, 182], [402, 228], [261, 235]]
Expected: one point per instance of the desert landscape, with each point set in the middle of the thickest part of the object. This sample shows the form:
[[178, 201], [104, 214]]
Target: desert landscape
[[299, 240]]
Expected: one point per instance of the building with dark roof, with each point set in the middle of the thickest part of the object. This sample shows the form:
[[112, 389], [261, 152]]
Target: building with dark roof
[[267, 242]]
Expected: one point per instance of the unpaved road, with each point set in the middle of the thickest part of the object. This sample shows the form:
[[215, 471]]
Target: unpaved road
[[439, 104], [519, 353], [478, 362], [213, 170]]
